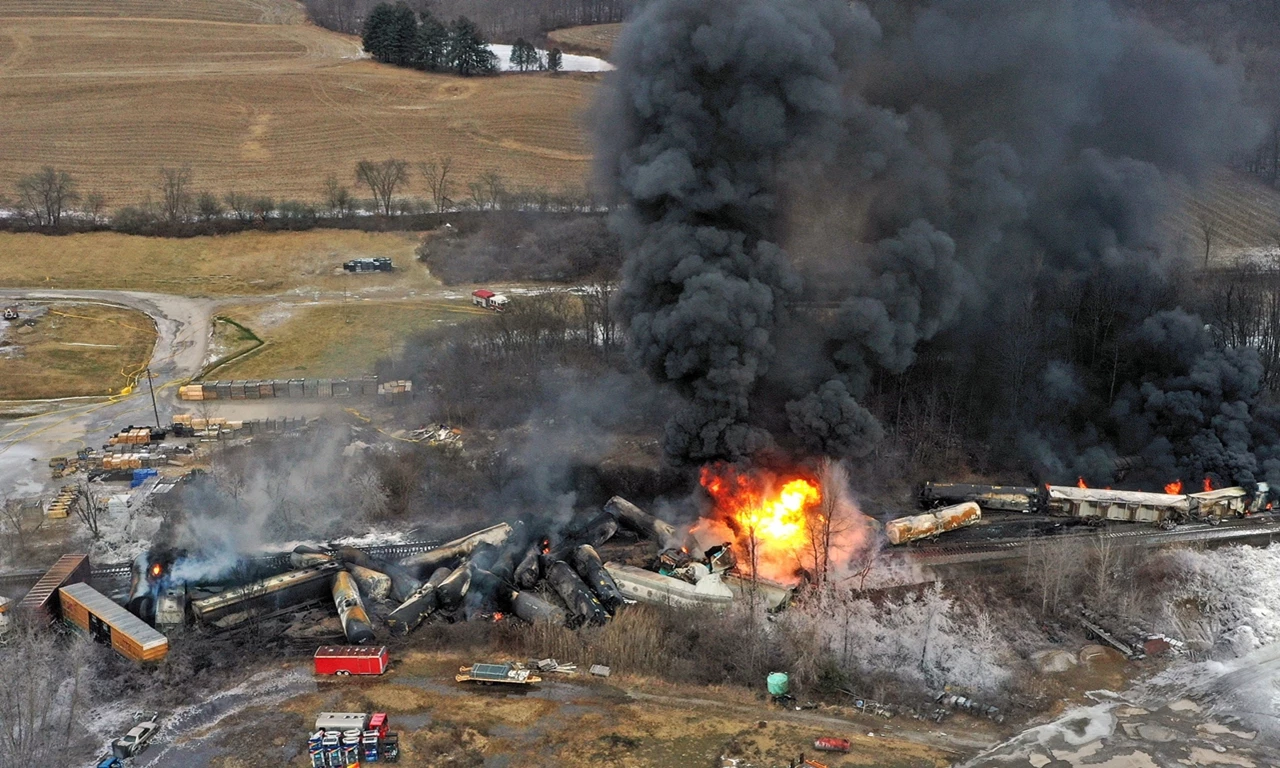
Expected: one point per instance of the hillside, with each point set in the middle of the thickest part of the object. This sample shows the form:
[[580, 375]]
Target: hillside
[[257, 101], [1243, 212]]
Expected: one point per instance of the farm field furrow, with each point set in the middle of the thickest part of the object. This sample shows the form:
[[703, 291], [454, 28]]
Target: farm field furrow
[[270, 109]]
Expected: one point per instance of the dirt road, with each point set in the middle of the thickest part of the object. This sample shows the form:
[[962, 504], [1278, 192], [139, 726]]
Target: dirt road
[[66, 426]]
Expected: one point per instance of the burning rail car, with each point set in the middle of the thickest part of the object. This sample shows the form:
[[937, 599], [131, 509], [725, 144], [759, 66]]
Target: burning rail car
[[1103, 504], [268, 595]]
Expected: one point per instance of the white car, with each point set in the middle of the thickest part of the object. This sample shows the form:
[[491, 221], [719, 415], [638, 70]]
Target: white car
[[136, 740]]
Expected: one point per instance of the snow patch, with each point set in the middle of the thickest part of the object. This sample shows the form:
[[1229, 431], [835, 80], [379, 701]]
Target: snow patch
[[568, 61]]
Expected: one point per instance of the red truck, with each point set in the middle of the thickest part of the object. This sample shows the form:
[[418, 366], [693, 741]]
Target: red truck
[[351, 660], [489, 300]]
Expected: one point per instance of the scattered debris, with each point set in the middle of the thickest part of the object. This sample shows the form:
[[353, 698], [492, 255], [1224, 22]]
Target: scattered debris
[[600, 670], [964, 704], [375, 264], [831, 744]]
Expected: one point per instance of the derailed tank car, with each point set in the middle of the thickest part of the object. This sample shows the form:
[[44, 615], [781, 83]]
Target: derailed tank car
[[1007, 498], [916, 527], [269, 595]]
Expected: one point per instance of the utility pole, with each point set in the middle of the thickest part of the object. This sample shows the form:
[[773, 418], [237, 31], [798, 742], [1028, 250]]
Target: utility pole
[[152, 387]]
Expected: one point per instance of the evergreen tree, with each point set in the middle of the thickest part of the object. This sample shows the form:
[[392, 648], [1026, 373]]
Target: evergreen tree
[[469, 54], [378, 38], [404, 34], [431, 47], [555, 60], [389, 33], [524, 56]]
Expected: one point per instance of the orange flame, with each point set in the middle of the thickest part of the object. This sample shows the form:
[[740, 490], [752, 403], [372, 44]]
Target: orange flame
[[497, 616], [1208, 484], [157, 571], [1080, 483], [1174, 488], [764, 513]]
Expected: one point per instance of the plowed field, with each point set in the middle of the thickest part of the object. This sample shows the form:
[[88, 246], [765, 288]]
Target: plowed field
[[256, 101]]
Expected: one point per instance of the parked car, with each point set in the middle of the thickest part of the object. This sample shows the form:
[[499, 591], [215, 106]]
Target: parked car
[[134, 743]]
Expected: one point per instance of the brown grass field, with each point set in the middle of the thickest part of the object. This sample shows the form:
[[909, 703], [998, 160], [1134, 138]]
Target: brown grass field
[[76, 349], [255, 105], [591, 40], [326, 340], [1245, 214], [247, 263]]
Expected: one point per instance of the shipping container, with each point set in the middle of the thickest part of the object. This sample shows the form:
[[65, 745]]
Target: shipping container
[[350, 660], [266, 389], [109, 623], [296, 388], [325, 387], [43, 597], [224, 390], [237, 390]]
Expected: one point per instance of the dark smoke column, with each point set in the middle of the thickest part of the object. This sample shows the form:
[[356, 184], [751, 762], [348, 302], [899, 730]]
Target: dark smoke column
[[711, 100]]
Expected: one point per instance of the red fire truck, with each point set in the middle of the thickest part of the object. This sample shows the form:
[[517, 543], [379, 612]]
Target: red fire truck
[[351, 660]]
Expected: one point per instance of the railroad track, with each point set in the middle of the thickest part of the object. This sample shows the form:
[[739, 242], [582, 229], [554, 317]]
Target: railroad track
[[106, 571], [1141, 536]]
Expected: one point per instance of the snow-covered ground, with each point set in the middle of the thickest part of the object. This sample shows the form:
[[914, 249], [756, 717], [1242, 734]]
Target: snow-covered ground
[[568, 61], [1225, 711]]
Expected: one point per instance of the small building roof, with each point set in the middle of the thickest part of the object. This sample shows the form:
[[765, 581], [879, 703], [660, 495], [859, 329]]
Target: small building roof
[[483, 294]]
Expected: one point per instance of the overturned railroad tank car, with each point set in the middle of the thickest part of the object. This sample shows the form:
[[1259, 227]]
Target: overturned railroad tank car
[[355, 621], [916, 527], [269, 595]]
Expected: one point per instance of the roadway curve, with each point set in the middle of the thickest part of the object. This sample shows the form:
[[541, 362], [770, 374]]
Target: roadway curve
[[68, 425]]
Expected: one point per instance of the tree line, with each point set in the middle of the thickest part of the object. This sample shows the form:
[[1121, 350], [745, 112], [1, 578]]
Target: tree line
[[51, 200], [495, 18], [396, 34]]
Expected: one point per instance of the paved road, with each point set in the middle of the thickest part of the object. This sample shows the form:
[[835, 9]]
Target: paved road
[[27, 443]]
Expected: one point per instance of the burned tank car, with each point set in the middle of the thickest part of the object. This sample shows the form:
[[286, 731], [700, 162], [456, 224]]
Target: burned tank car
[[1007, 498]]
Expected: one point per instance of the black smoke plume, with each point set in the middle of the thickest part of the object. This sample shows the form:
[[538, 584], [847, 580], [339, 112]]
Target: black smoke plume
[[814, 194]]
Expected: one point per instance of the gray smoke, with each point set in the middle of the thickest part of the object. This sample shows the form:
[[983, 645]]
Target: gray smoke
[[813, 192]]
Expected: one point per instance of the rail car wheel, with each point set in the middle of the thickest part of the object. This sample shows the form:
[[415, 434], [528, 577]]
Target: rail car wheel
[[343, 673]]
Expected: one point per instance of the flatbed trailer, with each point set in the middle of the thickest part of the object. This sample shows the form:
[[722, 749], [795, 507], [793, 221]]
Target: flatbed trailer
[[504, 674]]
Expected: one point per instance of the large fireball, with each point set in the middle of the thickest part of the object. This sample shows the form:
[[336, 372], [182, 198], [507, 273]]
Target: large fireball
[[766, 516]]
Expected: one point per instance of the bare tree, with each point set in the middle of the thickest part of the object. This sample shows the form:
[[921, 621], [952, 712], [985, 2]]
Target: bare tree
[[175, 193], [19, 524], [1208, 231], [436, 172], [479, 194], [338, 197], [262, 208], [494, 188], [383, 179], [43, 685], [832, 521], [597, 308], [89, 508], [239, 204], [45, 195], [94, 203], [208, 206]]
